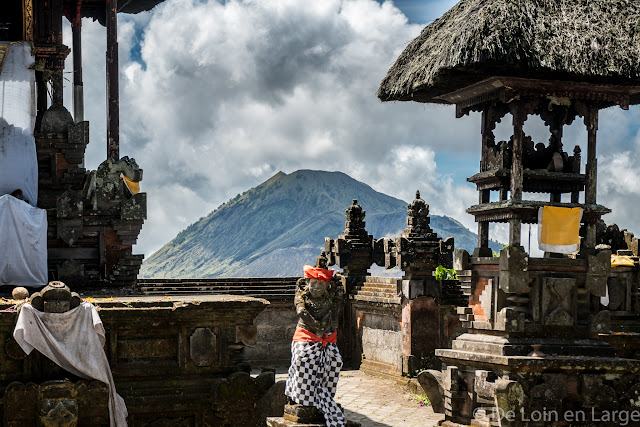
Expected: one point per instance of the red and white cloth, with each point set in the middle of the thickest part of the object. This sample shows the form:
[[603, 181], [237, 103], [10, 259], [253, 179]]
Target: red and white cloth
[[314, 373]]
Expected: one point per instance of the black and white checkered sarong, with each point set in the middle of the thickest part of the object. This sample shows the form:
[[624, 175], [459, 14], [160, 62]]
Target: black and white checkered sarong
[[313, 378]]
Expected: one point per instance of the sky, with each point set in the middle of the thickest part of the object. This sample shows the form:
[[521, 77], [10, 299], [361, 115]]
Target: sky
[[218, 96]]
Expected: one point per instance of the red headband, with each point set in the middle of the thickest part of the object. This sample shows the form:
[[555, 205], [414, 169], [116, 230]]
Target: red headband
[[321, 274]]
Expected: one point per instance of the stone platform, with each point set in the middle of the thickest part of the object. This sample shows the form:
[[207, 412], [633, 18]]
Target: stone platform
[[174, 359]]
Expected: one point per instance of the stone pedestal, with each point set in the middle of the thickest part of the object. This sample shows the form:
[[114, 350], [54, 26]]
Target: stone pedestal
[[282, 422], [303, 414], [533, 354]]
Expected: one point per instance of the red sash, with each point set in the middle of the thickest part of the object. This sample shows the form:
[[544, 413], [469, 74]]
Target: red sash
[[302, 335]]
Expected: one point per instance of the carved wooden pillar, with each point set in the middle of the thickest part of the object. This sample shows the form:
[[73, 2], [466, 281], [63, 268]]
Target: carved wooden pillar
[[487, 136], [591, 122], [519, 117], [483, 226], [113, 100], [27, 20], [486, 129], [575, 195], [555, 142]]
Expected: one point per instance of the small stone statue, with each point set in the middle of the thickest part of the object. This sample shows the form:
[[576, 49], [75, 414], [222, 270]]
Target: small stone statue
[[315, 359]]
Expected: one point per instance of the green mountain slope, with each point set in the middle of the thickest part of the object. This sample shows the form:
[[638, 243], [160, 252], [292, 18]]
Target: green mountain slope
[[278, 226]]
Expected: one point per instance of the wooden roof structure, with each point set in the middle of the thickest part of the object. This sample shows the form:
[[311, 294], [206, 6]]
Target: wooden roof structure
[[596, 41], [557, 59], [96, 8]]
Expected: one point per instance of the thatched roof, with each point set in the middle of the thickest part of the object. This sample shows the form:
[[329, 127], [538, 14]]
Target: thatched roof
[[579, 40], [96, 9]]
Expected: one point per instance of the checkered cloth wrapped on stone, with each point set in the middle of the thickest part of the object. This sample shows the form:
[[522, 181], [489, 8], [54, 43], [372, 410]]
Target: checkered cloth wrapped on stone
[[313, 378]]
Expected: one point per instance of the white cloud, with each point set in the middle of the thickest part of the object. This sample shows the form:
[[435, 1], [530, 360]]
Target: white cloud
[[217, 97]]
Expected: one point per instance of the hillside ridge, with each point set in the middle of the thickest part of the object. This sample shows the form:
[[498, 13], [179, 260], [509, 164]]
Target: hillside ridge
[[279, 225]]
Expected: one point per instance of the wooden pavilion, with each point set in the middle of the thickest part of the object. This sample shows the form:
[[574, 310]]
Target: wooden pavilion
[[536, 325]]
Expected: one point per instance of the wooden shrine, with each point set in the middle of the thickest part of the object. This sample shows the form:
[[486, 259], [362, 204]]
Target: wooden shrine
[[538, 328]]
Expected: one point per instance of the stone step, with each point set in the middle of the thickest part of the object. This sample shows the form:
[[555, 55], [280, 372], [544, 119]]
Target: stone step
[[394, 300], [265, 295], [379, 285], [375, 289], [223, 286], [382, 280], [208, 290], [377, 294], [216, 291], [381, 370]]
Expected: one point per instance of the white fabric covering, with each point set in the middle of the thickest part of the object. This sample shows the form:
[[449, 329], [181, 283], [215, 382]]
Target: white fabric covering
[[18, 161], [74, 341], [23, 247]]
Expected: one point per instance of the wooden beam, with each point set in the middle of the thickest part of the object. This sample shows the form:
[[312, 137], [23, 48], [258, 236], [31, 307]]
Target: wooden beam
[[78, 90], [56, 36], [113, 97]]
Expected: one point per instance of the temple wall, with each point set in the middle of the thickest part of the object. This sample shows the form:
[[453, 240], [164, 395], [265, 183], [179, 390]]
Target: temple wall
[[275, 328], [372, 328], [381, 338], [178, 358]]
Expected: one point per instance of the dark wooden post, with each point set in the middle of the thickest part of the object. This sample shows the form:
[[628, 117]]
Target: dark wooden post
[[591, 121], [484, 195], [56, 37], [516, 169], [483, 228], [78, 96], [486, 136], [41, 97], [557, 123], [575, 195], [113, 100]]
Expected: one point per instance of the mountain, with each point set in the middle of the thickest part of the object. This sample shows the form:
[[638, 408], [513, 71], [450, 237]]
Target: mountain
[[280, 225]]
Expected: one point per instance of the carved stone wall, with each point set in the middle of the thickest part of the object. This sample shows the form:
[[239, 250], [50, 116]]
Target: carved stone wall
[[93, 219], [171, 359]]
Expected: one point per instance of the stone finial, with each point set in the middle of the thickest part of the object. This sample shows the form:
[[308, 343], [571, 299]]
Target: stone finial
[[56, 297], [19, 293], [56, 120], [418, 217], [352, 251], [355, 220], [322, 260]]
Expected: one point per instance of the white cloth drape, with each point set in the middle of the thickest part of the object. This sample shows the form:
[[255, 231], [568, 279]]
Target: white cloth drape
[[74, 341], [23, 243]]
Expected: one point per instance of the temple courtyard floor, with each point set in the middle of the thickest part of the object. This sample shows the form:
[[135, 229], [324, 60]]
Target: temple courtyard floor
[[379, 402]]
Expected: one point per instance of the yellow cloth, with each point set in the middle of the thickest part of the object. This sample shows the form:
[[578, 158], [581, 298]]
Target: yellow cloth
[[621, 260], [133, 186], [559, 229]]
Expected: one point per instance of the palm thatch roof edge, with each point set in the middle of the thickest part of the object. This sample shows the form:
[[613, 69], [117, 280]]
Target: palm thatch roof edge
[[575, 40]]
